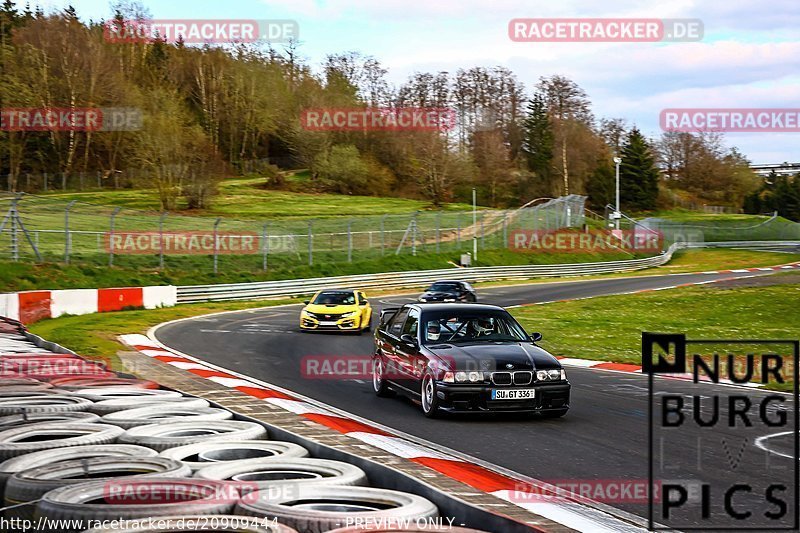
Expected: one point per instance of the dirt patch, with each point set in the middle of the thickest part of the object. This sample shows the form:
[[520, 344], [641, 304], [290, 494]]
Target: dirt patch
[[789, 278]]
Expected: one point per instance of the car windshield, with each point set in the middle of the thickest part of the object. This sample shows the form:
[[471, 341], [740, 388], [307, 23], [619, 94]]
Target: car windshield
[[465, 326], [335, 298], [443, 287]]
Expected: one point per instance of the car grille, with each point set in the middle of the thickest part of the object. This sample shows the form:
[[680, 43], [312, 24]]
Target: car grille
[[326, 316], [523, 377]]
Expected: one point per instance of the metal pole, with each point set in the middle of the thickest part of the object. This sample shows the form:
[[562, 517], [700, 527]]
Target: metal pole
[[14, 236], [474, 224], [67, 234], [458, 231], [617, 161], [349, 241], [161, 239], [216, 225], [111, 237], [414, 234], [383, 235], [438, 229], [310, 244], [265, 245], [483, 240]]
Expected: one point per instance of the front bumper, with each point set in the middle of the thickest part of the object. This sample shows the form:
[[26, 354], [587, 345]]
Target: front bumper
[[344, 324], [548, 397]]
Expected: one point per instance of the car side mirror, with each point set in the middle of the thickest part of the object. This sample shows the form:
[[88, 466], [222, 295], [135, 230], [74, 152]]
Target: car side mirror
[[306, 302], [536, 336], [408, 339], [364, 302]]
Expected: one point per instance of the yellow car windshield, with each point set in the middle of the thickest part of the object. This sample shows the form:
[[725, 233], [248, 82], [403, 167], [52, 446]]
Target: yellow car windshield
[[335, 298]]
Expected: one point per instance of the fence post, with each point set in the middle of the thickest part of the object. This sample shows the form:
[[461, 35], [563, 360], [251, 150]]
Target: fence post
[[81, 176], [14, 235], [349, 240], [265, 244], [111, 237], [44, 179], [161, 239], [67, 234], [383, 235], [504, 244], [310, 244], [216, 225], [99, 180], [63, 181], [438, 229], [414, 233], [483, 244], [458, 231]]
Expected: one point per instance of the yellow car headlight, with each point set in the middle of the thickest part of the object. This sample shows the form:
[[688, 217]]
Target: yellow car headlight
[[350, 314]]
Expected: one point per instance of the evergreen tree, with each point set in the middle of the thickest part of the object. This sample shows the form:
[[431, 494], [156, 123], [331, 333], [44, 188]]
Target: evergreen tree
[[638, 174], [538, 141]]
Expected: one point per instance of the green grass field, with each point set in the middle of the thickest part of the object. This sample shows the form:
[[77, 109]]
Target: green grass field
[[609, 328], [246, 198]]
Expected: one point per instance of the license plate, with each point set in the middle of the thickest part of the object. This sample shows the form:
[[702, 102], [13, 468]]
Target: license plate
[[516, 394], [327, 323]]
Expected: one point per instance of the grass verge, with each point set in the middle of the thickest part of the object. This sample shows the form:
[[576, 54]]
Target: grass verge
[[609, 328]]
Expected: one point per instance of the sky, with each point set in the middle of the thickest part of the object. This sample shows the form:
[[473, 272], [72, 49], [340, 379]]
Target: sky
[[749, 56]]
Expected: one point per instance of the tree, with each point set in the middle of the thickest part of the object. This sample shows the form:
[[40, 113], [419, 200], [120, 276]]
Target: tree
[[638, 174], [569, 108], [538, 146]]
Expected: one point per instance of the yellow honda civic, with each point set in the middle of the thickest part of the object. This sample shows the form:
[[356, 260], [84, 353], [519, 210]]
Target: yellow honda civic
[[337, 310]]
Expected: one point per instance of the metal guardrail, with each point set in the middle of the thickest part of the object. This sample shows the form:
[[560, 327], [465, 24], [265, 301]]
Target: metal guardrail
[[394, 280], [299, 287]]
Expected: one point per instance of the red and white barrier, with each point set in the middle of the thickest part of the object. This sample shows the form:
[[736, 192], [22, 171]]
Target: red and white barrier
[[31, 306]]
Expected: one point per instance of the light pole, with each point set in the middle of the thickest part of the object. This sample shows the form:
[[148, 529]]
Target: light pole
[[617, 214], [474, 225]]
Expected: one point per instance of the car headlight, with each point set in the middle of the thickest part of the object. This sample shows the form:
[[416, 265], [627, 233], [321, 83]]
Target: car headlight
[[461, 377], [475, 377], [449, 299], [423, 299], [348, 315], [306, 314], [448, 377], [551, 375]]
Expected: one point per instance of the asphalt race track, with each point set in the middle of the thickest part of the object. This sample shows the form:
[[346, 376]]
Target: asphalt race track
[[604, 436]]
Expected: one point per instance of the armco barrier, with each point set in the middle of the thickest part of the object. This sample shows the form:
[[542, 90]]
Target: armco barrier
[[30, 306], [394, 280]]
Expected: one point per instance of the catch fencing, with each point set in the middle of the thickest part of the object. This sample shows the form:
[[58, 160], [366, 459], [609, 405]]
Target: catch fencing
[[48, 228]]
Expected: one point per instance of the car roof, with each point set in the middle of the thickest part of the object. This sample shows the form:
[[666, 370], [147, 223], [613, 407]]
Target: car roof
[[449, 281], [427, 307], [340, 290]]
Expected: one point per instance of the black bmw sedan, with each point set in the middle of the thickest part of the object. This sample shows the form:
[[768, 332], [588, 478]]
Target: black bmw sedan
[[449, 291], [466, 357]]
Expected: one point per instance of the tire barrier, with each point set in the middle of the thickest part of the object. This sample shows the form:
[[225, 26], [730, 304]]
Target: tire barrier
[[105, 407], [204, 454], [9, 421], [272, 473], [42, 403], [99, 500], [99, 394], [164, 414], [31, 484], [52, 456], [50, 435], [160, 437]]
